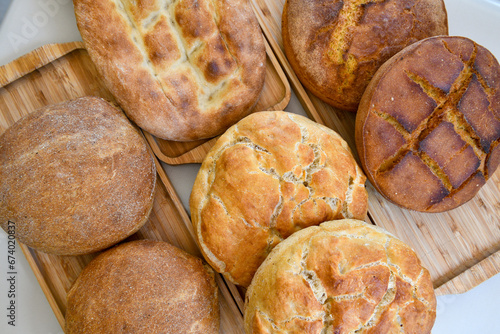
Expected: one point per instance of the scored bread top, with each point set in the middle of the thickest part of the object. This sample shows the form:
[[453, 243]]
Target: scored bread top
[[336, 46], [271, 174], [342, 276], [181, 69], [75, 177], [144, 286], [428, 126]]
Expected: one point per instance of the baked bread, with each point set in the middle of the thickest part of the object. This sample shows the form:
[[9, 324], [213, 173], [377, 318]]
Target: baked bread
[[75, 177], [144, 287], [181, 70], [271, 174], [342, 277], [428, 126], [336, 46]]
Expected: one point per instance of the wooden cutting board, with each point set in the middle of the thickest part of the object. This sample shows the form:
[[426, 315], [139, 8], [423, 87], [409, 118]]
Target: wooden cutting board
[[461, 248], [60, 72]]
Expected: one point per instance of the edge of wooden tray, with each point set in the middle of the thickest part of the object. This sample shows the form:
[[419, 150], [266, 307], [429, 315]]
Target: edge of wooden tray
[[461, 283], [35, 60], [471, 277], [43, 284]]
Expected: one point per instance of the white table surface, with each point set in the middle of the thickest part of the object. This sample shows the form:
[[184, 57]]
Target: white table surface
[[33, 23]]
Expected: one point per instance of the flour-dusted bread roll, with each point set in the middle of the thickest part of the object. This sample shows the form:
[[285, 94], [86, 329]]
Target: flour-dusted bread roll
[[144, 287], [75, 177], [342, 277], [336, 46], [428, 126], [181, 70], [271, 174]]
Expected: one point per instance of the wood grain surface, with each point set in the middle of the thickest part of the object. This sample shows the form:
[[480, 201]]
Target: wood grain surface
[[60, 72], [460, 247]]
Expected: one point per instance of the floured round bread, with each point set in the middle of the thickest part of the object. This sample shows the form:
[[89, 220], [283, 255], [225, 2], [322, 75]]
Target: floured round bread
[[343, 276], [428, 126], [144, 287], [181, 70], [271, 174], [336, 46], [75, 177]]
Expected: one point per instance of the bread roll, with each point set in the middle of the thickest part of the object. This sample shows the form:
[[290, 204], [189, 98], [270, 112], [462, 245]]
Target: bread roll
[[336, 46], [271, 174], [181, 70], [428, 126], [144, 287], [75, 177], [342, 276]]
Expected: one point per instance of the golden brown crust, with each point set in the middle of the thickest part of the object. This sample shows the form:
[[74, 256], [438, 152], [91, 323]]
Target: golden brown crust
[[335, 47], [268, 176], [144, 287], [342, 276], [183, 69], [75, 177], [428, 125]]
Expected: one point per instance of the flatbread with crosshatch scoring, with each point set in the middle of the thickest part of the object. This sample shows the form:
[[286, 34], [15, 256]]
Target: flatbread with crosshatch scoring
[[181, 70]]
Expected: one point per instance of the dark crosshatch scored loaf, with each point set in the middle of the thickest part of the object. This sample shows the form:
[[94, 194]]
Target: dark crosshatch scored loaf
[[428, 126], [335, 47], [181, 69]]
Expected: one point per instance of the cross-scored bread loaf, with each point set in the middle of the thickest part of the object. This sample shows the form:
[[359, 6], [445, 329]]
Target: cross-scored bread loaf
[[342, 277], [428, 126], [336, 46], [144, 287], [75, 177], [181, 69], [271, 174]]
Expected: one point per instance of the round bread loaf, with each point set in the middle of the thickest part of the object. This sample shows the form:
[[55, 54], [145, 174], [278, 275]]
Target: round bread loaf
[[271, 174], [342, 276], [335, 47], [144, 287], [428, 126], [75, 177], [181, 70]]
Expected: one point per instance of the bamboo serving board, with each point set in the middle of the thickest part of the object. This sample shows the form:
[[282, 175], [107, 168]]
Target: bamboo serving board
[[60, 72], [461, 248], [275, 96]]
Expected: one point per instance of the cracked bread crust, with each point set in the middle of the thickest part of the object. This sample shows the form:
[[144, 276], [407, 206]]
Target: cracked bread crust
[[181, 69], [75, 177], [144, 287], [342, 276], [271, 174], [428, 126], [335, 47]]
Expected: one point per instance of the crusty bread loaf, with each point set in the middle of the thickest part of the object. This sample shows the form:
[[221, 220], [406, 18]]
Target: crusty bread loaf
[[342, 277], [336, 46], [271, 174], [181, 70], [75, 177], [144, 287], [428, 126]]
